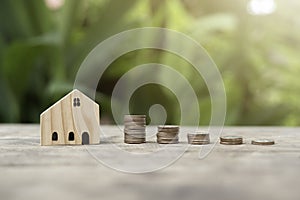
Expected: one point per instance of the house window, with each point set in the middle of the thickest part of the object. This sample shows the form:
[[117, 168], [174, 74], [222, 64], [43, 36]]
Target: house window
[[76, 102], [54, 136], [71, 136]]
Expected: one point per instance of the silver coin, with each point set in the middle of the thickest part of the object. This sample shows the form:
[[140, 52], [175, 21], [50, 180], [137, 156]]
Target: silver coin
[[163, 127], [133, 124], [263, 142], [133, 137], [134, 117], [167, 141], [198, 140], [199, 143], [198, 136], [134, 129], [231, 138], [189, 140], [167, 133], [135, 121], [231, 143], [134, 142], [162, 134], [167, 130], [130, 124], [134, 133]]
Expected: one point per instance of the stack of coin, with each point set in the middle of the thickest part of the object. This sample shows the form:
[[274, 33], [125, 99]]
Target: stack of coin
[[134, 129], [199, 138], [231, 140], [262, 142], [167, 134]]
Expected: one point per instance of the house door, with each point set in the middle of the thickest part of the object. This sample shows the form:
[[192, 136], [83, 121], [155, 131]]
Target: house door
[[85, 138]]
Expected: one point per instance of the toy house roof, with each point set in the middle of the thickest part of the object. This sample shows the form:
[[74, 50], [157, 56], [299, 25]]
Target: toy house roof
[[75, 91]]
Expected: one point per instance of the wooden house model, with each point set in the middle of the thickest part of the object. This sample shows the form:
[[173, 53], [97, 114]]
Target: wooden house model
[[72, 120]]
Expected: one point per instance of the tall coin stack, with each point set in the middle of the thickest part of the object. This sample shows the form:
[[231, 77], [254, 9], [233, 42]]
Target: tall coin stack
[[231, 140], [167, 134], [198, 138], [134, 129]]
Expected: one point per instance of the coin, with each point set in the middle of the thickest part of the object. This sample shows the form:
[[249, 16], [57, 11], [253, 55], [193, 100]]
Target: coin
[[169, 130], [198, 135], [167, 134], [134, 123], [134, 141], [198, 138], [168, 127], [168, 138], [135, 134], [134, 129], [263, 142], [164, 141], [231, 143], [134, 117], [199, 142], [190, 140], [231, 139]]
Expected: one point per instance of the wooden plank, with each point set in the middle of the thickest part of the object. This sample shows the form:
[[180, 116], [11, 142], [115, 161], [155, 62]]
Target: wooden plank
[[31, 171]]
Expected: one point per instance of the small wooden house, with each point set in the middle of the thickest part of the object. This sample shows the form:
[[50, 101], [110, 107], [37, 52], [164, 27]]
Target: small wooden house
[[72, 120]]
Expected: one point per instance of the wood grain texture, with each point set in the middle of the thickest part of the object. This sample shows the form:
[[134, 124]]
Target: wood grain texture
[[247, 172], [74, 113]]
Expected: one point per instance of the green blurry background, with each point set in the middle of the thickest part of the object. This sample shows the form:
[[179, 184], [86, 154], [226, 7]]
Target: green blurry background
[[255, 44]]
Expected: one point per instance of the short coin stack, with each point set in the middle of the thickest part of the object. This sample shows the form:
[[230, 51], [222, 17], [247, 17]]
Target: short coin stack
[[231, 140], [262, 142], [198, 138], [167, 134], [134, 129]]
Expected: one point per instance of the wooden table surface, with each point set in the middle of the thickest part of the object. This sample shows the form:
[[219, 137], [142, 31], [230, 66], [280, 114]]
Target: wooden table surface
[[29, 171]]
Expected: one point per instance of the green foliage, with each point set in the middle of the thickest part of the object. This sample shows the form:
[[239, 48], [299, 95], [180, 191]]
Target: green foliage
[[41, 50]]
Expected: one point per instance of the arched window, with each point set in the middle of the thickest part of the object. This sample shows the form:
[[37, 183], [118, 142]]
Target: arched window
[[71, 136], [54, 136]]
